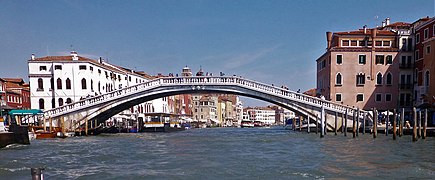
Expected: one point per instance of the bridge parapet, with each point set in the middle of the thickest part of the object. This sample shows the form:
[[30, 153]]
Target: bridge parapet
[[198, 83]]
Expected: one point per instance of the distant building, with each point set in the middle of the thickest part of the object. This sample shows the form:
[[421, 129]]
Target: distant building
[[264, 115], [205, 108], [14, 94], [215, 109]]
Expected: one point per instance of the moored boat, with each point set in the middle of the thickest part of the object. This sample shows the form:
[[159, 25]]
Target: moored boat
[[247, 124]]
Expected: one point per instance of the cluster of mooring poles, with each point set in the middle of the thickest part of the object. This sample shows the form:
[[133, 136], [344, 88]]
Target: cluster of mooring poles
[[419, 122]]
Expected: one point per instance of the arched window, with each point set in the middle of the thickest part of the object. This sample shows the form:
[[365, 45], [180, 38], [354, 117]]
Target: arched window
[[83, 83], [99, 86], [59, 83], [379, 79], [53, 103], [92, 85], [40, 86], [338, 79], [389, 79], [60, 100], [68, 83], [427, 78], [52, 83], [68, 101], [41, 103]]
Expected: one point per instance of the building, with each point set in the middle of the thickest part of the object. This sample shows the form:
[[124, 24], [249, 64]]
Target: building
[[205, 108], [59, 80], [424, 89], [361, 68], [282, 114], [263, 115], [229, 110], [14, 94], [215, 109]]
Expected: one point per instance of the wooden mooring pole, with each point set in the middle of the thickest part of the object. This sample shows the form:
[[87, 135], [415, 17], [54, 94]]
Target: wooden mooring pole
[[419, 124], [322, 122], [414, 128], [364, 124], [300, 123], [401, 121], [375, 123], [294, 124], [424, 124], [335, 124], [394, 124], [353, 124], [387, 121], [357, 122], [317, 124], [342, 122], [51, 125], [86, 127], [308, 125], [345, 123]]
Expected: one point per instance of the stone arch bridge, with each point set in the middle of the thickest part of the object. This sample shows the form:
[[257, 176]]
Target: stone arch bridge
[[100, 108]]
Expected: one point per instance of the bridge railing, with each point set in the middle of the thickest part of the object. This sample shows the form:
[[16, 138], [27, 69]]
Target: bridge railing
[[203, 80], [254, 85]]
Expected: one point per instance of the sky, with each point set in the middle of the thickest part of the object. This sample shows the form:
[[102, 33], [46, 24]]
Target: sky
[[274, 41]]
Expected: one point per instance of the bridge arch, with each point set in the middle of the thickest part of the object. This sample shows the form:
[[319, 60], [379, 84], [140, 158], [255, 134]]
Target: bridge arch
[[105, 106]]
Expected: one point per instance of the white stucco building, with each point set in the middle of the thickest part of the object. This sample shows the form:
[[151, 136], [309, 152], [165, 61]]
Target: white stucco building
[[60, 80]]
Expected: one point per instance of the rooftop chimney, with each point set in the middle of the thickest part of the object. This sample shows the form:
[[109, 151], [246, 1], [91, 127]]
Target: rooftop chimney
[[365, 29], [387, 21], [329, 39], [33, 57], [100, 60], [74, 56], [383, 23]]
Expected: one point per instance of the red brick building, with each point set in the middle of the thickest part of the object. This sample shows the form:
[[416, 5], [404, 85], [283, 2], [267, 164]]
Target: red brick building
[[14, 94]]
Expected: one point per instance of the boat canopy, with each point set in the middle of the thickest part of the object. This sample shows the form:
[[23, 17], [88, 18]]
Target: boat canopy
[[25, 112]]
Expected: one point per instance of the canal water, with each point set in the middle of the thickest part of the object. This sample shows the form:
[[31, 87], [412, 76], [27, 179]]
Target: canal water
[[222, 153]]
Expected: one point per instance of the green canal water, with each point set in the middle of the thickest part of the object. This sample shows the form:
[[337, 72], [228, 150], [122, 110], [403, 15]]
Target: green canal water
[[222, 153]]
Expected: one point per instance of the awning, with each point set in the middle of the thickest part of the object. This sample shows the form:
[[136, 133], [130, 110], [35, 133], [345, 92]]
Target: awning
[[25, 112]]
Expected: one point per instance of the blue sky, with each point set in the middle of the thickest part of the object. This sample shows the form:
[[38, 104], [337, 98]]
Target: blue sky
[[274, 41]]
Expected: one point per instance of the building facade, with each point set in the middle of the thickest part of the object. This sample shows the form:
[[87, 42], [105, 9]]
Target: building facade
[[424, 35], [361, 68], [59, 80], [14, 94]]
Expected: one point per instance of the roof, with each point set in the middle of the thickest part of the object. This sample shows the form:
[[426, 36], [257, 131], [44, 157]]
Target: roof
[[397, 24], [106, 65], [362, 49], [368, 32], [61, 58], [25, 112], [13, 80]]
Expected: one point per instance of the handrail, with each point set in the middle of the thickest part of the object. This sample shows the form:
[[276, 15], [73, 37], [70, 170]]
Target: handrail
[[196, 81]]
